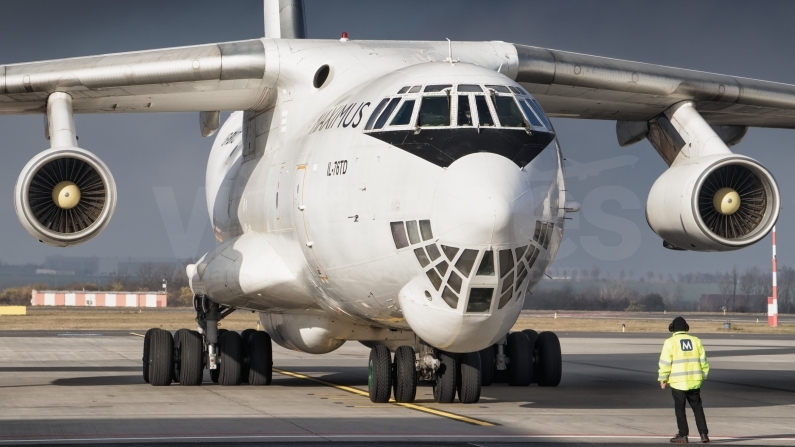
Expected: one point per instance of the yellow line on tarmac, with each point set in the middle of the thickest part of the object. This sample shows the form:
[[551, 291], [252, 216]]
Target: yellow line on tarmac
[[359, 392], [137, 335]]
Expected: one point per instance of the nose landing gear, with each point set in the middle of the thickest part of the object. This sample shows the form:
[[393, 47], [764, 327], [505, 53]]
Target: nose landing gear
[[522, 358]]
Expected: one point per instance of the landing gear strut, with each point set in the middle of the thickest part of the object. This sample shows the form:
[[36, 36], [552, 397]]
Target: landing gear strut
[[522, 358]]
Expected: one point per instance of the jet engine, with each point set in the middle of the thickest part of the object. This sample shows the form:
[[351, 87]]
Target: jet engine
[[713, 203], [65, 196]]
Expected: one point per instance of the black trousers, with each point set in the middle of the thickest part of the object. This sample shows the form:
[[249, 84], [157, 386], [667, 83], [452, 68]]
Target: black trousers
[[694, 398]]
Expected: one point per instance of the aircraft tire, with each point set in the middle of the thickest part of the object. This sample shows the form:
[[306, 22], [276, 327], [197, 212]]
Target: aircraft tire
[[405, 375], [189, 369], [260, 359], [161, 357], [470, 369], [379, 374], [231, 348], [245, 335], [487, 367], [521, 362], [549, 366], [532, 336], [145, 359], [446, 377]]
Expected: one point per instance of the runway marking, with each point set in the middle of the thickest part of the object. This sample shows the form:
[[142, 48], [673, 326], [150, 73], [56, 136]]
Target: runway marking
[[424, 409]]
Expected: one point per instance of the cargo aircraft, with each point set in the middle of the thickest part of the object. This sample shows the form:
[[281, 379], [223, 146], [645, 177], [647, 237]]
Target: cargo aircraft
[[383, 191]]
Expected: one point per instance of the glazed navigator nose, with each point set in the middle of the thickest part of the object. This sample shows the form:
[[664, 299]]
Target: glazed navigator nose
[[482, 209]]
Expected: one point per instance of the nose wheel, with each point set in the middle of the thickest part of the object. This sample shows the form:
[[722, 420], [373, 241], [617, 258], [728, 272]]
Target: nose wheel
[[522, 358]]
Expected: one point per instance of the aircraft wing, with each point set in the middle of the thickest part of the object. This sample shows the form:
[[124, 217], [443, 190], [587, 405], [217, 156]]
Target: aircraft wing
[[225, 76], [583, 86]]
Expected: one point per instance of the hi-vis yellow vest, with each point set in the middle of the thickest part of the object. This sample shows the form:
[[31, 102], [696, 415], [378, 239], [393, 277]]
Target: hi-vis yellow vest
[[683, 362]]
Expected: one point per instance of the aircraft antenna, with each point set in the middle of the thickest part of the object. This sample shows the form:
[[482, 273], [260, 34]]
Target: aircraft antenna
[[450, 53]]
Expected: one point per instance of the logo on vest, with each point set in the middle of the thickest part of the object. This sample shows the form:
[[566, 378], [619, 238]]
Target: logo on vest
[[686, 345]]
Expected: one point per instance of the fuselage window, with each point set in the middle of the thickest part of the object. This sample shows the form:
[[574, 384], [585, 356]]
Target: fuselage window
[[486, 264], [436, 88], [499, 88], [506, 261], [466, 261], [375, 114], [450, 298], [403, 117], [420, 253], [425, 230], [414, 234], [484, 115], [434, 111], [399, 235], [415, 89], [450, 252], [433, 252], [403, 90], [464, 112], [531, 116], [379, 123], [479, 300], [504, 299], [436, 280], [508, 112], [469, 88], [455, 282], [515, 90], [442, 267]]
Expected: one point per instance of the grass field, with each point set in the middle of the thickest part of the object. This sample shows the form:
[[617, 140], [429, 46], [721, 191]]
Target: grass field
[[40, 318]]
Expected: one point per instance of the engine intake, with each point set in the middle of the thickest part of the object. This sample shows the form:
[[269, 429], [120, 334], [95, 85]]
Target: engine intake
[[65, 196], [715, 203]]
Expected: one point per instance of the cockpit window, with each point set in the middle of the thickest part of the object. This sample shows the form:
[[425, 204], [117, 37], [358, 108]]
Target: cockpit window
[[437, 88], [379, 123], [464, 88], [484, 115], [464, 112], [415, 89], [515, 90], [540, 112], [403, 90], [434, 111], [376, 113], [486, 264], [508, 112], [403, 117], [499, 88], [531, 116]]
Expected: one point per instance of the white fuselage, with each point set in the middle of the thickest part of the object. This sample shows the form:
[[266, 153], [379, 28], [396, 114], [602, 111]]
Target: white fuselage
[[338, 226]]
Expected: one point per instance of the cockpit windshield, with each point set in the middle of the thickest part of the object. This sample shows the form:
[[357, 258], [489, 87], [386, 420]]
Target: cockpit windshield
[[462, 105]]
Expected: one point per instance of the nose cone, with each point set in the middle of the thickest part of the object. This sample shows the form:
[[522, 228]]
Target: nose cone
[[483, 199]]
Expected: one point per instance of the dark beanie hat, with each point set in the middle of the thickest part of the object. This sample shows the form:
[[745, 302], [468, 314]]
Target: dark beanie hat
[[679, 324]]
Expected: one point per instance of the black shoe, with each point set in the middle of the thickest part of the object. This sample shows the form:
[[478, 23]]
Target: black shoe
[[704, 438], [679, 439]]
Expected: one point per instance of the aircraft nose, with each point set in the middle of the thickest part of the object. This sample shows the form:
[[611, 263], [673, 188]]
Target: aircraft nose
[[483, 199]]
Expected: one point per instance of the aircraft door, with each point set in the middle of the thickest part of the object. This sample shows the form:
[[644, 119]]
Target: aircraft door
[[300, 212]]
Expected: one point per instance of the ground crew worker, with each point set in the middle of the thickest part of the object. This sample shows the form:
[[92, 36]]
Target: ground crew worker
[[683, 366]]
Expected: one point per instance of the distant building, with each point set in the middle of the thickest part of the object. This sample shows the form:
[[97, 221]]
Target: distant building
[[733, 303], [78, 265], [97, 299]]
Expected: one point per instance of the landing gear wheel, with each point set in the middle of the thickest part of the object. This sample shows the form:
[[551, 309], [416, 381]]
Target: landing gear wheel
[[405, 375], [189, 367], [469, 386], [379, 374], [532, 336], [445, 386], [161, 353], [487, 366], [231, 348], [519, 369], [145, 359], [549, 365], [260, 358], [214, 372], [245, 335]]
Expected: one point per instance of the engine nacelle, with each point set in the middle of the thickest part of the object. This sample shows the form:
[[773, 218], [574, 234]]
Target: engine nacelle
[[713, 203], [65, 196]]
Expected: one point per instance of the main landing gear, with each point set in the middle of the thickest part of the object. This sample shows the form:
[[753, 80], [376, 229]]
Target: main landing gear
[[449, 373], [232, 358], [522, 358]]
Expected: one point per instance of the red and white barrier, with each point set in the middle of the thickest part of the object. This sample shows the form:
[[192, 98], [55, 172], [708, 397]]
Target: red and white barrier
[[97, 299], [772, 302]]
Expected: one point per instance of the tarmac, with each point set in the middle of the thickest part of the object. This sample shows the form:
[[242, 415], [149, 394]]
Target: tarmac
[[77, 388]]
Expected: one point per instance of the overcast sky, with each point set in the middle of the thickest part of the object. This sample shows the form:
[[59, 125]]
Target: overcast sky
[[158, 160]]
